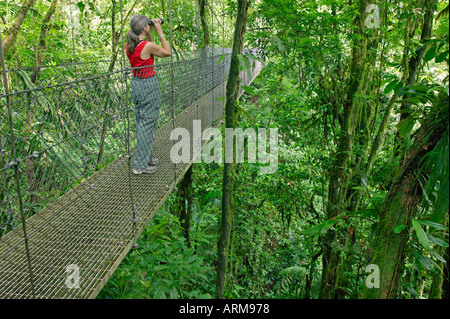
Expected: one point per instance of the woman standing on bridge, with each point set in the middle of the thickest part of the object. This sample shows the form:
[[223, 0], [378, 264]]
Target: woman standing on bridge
[[145, 87]]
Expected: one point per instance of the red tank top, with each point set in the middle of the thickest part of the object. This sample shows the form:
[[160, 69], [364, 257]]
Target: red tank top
[[136, 61]]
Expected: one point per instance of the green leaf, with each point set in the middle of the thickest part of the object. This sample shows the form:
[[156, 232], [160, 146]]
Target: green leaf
[[81, 6], [442, 202], [418, 87], [437, 256], [411, 290], [293, 271], [364, 179], [421, 235], [174, 293], [8, 8], [399, 86], [248, 89], [437, 241], [160, 267], [390, 86], [432, 224], [406, 126], [399, 228], [93, 8], [413, 100], [319, 229], [431, 53], [222, 57], [441, 57], [423, 260], [37, 94]]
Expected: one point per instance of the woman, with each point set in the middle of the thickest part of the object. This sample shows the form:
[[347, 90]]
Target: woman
[[145, 87]]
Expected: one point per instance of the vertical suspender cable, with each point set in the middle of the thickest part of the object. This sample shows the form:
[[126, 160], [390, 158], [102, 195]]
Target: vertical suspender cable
[[198, 62], [223, 53], [185, 63], [73, 40], [84, 160], [124, 73], [172, 89], [196, 18], [16, 170], [212, 61]]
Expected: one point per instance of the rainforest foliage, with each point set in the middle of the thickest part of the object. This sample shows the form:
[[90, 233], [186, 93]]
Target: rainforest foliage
[[359, 93]]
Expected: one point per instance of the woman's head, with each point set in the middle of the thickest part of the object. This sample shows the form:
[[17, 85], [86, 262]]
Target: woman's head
[[137, 24]]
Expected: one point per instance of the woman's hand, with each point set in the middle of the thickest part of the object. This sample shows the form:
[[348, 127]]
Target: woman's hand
[[157, 25], [153, 49]]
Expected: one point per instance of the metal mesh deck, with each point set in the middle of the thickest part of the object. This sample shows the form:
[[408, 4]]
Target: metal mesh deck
[[94, 224]]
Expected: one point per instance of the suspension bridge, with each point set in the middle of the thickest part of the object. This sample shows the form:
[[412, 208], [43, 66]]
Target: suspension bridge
[[71, 207]]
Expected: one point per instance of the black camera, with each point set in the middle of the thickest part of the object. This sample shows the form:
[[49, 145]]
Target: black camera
[[150, 22]]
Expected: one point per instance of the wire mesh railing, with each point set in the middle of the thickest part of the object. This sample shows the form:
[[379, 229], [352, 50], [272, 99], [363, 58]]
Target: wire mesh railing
[[68, 198]]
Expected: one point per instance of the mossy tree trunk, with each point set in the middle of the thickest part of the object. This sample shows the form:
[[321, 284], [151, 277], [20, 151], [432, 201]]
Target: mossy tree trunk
[[11, 36], [400, 207], [416, 59], [45, 27], [231, 121], [114, 37], [340, 172], [204, 21]]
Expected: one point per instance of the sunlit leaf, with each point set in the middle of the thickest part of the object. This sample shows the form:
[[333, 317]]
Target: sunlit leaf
[[421, 235]]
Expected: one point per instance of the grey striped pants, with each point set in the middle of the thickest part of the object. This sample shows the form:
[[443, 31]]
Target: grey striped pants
[[147, 102]]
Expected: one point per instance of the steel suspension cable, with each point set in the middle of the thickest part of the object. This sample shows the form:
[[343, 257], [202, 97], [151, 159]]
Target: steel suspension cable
[[212, 60], [172, 90], [83, 150], [16, 170], [196, 19], [129, 156], [223, 52]]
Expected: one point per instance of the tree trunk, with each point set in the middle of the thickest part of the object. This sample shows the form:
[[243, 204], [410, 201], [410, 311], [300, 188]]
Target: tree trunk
[[114, 51], [378, 140], [185, 204], [11, 36], [113, 37], [401, 204], [229, 168], [310, 275], [42, 38], [204, 21], [125, 22], [339, 174], [416, 59], [368, 157]]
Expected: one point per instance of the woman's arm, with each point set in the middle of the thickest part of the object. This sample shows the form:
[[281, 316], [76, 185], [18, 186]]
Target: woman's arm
[[153, 49]]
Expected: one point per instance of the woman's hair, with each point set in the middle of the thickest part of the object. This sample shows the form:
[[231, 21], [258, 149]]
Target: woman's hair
[[137, 24]]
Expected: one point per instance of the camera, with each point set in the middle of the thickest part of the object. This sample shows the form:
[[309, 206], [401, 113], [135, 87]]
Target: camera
[[150, 22]]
